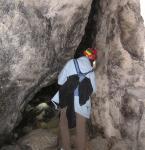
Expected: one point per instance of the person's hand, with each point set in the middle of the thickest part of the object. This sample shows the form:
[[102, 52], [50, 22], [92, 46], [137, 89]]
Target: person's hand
[[94, 65]]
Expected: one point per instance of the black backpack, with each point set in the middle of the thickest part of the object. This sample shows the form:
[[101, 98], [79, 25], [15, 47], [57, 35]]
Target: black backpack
[[76, 85], [84, 88]]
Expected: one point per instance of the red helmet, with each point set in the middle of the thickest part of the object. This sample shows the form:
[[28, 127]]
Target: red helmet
[[90, 53]]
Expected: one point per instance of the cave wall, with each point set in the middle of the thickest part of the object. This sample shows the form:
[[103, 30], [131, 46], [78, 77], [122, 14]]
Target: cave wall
[[38, 37], [118, 109]]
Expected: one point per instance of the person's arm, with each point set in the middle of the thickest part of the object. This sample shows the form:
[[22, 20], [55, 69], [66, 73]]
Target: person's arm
[[93, 82], [61, 80]]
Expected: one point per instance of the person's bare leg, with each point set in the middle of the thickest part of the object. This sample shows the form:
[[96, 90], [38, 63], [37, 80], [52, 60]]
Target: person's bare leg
[[81, 132], [59, 138], [64, 131]]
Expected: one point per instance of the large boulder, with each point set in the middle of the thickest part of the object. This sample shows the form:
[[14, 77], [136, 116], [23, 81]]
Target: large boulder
[[118, 109], [36, 39]]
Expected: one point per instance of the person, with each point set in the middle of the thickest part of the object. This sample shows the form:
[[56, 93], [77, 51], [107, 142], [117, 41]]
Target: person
[[73, 99]]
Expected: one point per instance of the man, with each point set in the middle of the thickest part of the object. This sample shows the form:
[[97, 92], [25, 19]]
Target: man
[[73, 97]]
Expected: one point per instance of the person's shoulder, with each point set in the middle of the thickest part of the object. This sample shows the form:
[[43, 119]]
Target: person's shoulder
[[68, 64], [69, 61], [83, 58]]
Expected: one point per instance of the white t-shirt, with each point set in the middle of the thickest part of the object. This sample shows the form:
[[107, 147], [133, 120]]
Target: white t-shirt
[[68, 70]]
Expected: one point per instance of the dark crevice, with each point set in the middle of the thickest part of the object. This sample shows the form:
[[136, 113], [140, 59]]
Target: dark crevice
[[31, 111], [46, 93], [90, 30]]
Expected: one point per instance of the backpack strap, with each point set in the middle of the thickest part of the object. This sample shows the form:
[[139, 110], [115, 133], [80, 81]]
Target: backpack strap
[[80, 74], [78, 69]]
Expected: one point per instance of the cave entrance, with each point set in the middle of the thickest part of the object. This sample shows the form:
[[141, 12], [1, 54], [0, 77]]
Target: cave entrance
[[39, 112]]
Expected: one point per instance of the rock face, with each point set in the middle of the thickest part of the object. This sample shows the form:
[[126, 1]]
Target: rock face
[[39, 139], [38, 37], [118, 109]]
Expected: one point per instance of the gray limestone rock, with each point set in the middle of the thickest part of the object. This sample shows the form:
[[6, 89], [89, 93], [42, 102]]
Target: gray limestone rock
[[98, 143], [40, 139], [36, 39], [119, 103]]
